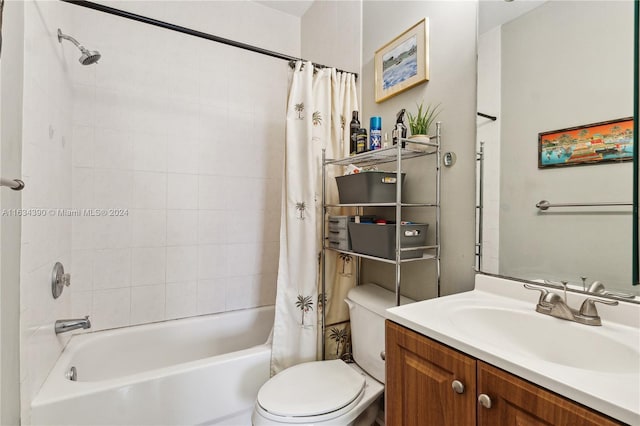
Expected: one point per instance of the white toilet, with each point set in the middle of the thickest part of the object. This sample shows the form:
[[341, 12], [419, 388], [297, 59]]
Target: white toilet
[[333, 392]]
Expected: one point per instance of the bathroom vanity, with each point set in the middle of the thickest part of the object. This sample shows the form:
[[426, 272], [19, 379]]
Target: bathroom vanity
[[487, 357], [429, 383]]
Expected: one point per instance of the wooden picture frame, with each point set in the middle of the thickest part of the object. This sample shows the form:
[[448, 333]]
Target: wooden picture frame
[[603, 142], [403, 62]]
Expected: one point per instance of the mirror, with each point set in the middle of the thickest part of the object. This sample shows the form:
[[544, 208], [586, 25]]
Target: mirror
[[636, 157], [546, 67]]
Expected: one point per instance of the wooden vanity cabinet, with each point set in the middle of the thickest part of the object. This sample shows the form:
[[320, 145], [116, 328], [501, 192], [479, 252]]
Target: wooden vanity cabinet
[[517, 402], [420, 373]]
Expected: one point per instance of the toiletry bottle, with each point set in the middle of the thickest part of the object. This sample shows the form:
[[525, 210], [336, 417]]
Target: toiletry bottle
[[375, 133], [400, 130], [353, 132], [361, 142]]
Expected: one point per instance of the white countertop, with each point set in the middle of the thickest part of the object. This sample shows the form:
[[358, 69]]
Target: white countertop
[[611, 391]]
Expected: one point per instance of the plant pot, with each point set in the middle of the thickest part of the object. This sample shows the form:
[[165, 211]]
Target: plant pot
[[418, 146]]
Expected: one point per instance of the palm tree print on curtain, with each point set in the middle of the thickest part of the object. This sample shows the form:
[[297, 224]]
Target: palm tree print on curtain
[[316, 118], [322, 301], [339, 269], [332, 95], [338, 341], [346, 260], [301, 206], [305, 304], [338, 335]]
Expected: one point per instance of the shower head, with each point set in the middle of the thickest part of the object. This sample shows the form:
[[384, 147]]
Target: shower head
[[88, 57]]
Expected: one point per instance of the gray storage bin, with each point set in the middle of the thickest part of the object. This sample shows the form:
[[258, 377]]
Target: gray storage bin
[[337, 223], [338, 234], [380, 240], [340, 244], [368, 187]]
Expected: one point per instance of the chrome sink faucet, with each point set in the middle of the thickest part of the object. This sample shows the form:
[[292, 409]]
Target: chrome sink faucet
[[62, 326], [556, 306]]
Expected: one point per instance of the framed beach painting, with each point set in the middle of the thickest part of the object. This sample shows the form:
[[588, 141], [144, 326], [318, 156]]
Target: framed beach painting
[[403, 62], [606, 141]]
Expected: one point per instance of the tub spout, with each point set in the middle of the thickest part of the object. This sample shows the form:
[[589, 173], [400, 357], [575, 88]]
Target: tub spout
[[62, 326]]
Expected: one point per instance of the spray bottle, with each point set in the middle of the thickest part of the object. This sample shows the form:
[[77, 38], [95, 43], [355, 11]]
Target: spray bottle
[[400, 130]]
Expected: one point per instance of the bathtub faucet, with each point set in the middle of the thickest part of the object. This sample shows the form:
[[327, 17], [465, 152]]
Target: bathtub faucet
[[62, 326]]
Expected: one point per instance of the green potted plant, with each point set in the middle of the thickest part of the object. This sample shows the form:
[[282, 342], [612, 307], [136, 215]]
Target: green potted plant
[[421, 122]]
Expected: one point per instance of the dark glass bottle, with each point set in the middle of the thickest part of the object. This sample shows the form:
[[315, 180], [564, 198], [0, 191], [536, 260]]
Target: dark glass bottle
[[353, 132], [400, 131], [361, 141]]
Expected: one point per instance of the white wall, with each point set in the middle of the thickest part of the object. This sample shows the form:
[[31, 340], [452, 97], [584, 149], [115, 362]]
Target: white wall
[[11, 79], [187, 135], [552, 80], [452, 83], [489, 77], [46, 170], [331, 34]]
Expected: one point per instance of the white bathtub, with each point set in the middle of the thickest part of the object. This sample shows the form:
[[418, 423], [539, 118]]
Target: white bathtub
[[203, 370]]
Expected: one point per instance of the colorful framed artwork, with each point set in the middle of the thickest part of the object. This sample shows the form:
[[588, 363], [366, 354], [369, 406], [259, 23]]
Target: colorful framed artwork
[[604, 142], [403, 62]]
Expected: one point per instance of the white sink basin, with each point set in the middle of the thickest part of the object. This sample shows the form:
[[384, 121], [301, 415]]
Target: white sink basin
[[549, 339]]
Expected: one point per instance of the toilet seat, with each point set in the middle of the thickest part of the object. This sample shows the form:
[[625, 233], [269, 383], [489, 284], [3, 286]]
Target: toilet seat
[[311, 392]]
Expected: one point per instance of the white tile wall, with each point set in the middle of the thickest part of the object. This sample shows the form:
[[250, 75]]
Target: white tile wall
[[148, 266], [181, 299], [182, 191], [47, 160], [185, 134], [148, 228], [147, 303], [192, 145], [112, 268], [182, 227], [211, 296], [111, 307]]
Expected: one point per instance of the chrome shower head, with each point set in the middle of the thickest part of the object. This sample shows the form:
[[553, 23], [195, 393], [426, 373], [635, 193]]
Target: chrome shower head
[[88, 57]]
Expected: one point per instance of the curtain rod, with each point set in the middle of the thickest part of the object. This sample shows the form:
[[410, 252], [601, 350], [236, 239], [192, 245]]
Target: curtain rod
[[189, 31]]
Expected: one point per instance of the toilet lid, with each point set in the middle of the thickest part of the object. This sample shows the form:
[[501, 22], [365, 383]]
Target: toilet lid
[[311, 389]]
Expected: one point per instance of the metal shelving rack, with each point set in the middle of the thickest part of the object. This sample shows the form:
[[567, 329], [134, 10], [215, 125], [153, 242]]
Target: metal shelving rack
[[396, 154]]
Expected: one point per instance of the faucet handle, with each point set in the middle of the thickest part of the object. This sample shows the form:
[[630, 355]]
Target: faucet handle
[[584, 283], [543, 293], [564, 289], [588, 308], [596, 287]]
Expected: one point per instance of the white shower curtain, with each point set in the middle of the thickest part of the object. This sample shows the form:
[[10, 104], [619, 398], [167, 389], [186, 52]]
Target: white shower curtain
[[318, 108]]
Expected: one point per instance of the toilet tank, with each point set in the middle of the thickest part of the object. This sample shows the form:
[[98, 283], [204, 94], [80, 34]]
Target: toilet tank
[[367, 305]]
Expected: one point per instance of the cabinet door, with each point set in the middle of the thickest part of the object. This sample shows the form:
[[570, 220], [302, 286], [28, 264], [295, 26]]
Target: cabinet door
[[517, 402], [419, 380]]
